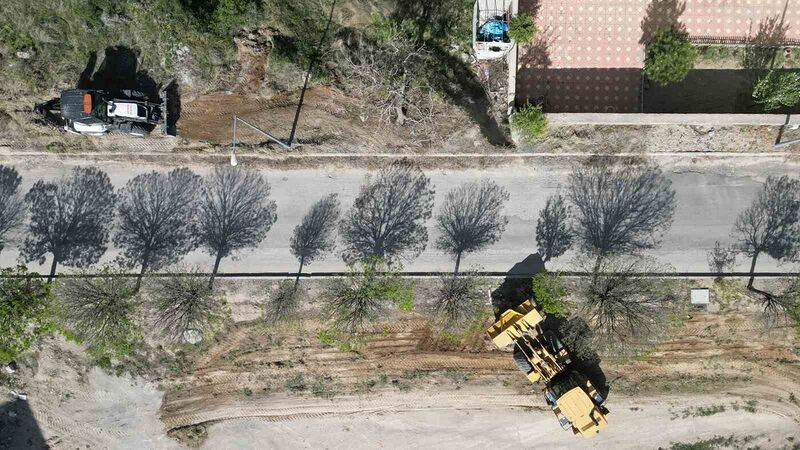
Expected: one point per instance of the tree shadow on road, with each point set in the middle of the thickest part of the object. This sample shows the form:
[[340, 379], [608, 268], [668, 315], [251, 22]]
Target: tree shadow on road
[[661, 15]]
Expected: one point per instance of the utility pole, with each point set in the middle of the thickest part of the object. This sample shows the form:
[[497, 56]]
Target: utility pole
[[308, 75]]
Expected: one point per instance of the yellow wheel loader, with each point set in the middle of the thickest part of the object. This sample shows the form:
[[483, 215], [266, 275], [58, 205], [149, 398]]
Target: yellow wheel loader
[[543, 359]]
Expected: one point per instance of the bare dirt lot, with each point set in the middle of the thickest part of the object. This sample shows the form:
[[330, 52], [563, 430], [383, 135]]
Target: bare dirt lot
[[719, 378]]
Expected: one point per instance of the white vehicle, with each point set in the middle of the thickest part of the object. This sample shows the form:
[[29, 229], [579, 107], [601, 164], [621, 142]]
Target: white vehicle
[[96, 112], [490, 28]]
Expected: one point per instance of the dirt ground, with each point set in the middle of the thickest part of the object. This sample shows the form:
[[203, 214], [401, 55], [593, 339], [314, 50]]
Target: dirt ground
[[404, 384], [331, 125]]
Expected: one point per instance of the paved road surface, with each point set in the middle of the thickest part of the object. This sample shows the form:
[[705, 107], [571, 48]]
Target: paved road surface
[[710, 190]]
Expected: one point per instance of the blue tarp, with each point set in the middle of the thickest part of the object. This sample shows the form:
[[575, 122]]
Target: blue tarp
[[493, 30]]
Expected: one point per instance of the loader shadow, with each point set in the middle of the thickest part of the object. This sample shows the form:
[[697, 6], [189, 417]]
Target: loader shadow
[[516, 287], [574, 333], [19, 428]]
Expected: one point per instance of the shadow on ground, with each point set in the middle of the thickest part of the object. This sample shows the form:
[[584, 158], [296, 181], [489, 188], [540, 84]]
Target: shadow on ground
[[117, 71], [574, 333], [709, 91], [18, 427]]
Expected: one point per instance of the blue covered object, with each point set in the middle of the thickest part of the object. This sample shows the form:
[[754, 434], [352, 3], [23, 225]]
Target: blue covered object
[[493, 30]]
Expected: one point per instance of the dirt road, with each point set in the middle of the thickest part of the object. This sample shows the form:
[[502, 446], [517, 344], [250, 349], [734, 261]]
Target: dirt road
[[474, 423]]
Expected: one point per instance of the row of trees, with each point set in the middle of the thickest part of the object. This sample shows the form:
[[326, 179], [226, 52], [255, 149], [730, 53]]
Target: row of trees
[[611, 214], [107, 311], [615, 214]]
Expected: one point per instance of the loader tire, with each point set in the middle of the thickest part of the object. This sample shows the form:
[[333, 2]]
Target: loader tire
[[522, 361]]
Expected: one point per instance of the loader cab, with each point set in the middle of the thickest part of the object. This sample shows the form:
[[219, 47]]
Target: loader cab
[[576, 404]]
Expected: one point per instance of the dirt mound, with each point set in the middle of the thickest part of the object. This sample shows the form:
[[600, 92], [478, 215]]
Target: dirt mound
[[252, 56]]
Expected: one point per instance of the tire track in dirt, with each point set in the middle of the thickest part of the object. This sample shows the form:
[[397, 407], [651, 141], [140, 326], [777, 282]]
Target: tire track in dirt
[[274, 411]]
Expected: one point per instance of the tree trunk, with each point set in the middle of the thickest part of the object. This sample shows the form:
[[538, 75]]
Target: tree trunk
[[597, 261], [141, 272], [214, 272], [52, 269], [299, 271], [458, 263], [752, 270]]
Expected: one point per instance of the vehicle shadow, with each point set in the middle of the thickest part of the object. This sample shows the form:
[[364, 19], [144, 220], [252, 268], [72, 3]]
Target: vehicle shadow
[[173, 107], [19, 428], [118, 71], [516, 287]]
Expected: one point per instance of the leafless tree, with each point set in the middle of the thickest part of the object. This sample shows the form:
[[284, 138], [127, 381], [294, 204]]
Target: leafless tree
[[357, 299], [157, 218], [620, 210], [235, 212], [624, 307], [721, 258], [471, 218], [783, 307], [283, 303], [553, 229], [70, 218], [101, 309], [386, 73], [458, 300], [184, 302], [316, 233], [771, 225], [388, 217], [12, 203]]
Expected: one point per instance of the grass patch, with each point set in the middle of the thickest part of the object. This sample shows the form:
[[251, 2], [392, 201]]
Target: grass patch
[[703, 411], [326, 337], [296, 383], [713, 443], [321, 387], [530, 122], [367, 385]]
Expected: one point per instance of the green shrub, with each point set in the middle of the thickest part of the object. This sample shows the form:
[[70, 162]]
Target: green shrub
[[25, 311], [777, 90], [522, 29], [669, 56], [529, 121], [458, 300], [549, 293], [296, 383], [356, 299], [102, 312], [229, 15]]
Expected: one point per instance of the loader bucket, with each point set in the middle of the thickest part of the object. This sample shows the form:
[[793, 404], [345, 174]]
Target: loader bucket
[[514, 323]]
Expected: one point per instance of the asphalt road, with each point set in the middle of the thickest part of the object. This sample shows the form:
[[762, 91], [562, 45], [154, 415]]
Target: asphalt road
[[710, 191]]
